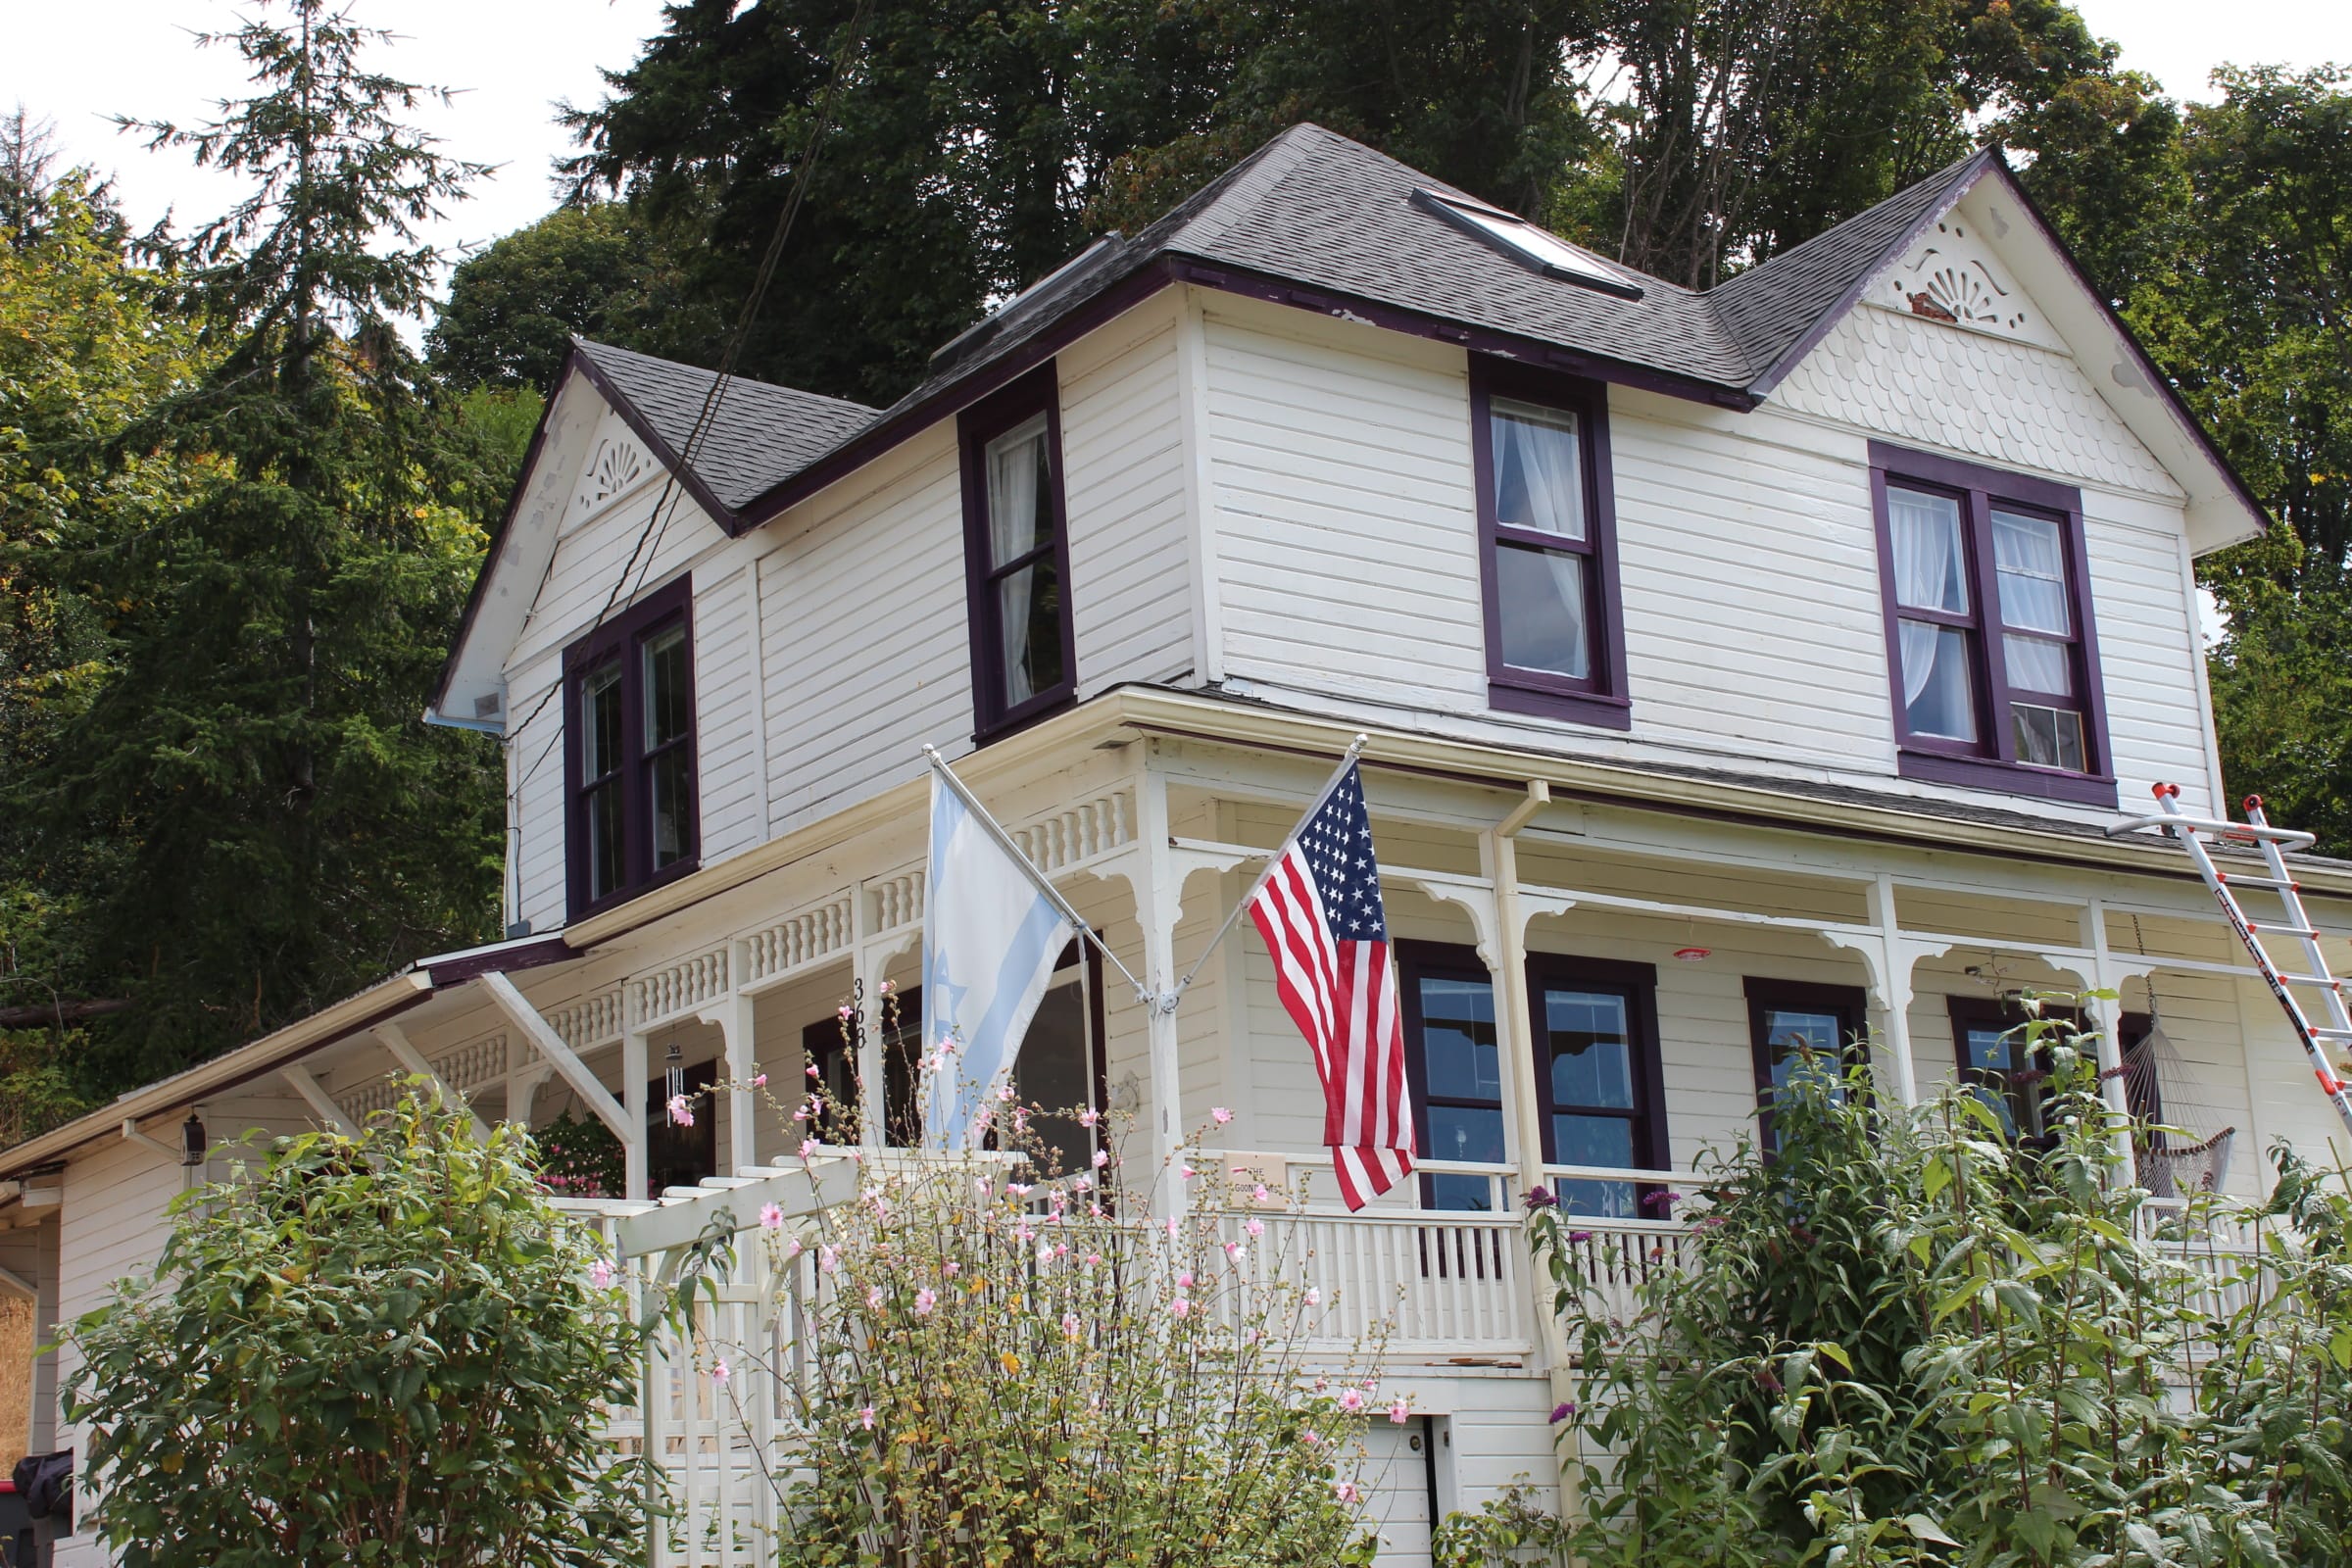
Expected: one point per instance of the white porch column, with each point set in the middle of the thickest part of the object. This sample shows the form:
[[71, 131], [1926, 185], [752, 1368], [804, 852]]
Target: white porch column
[[731, 1015], [865, 982], [1894, 987], [636, 1155], [2105, 1008], [1158, 905]]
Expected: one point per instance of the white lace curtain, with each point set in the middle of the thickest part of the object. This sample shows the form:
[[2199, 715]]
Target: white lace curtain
[[1539, 481], [1929, 574], [1015, 461]]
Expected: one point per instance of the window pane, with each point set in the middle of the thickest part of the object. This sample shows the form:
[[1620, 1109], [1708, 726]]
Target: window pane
[[2031, 563], [1020, 494], [603, 810], [1459, 1055], [1542, 596], [670, 795], [1604, 1141], [1597, 1200], [1590, 1048], [600, 722], [1538, 474], [1930, 569], [1939, 684], [668, 706], [1055, 1070], [1029, 612], [2037, 664], [1465, 1132], [2048, 737], [1789, 1033]]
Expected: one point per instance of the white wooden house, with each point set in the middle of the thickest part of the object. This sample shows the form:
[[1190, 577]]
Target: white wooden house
[[1738, 667]]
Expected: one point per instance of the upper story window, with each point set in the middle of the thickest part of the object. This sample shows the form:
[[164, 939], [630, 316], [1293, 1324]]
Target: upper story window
[[1556, 639], [1016, 555], [629, 768], [1995, 667]]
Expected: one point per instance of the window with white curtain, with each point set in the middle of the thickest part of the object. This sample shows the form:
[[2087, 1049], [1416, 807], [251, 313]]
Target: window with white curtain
[[1022, 663], [1549, 638], [1991, 646]]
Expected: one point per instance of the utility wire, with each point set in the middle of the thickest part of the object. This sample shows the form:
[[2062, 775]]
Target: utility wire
[[648, 544]]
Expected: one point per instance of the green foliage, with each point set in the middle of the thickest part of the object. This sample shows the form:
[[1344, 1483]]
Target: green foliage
[[1008, 1372], [1514, 1528], [260, 551], [380, 1349], [579, 1158], [1911, 1338], [599, 270]]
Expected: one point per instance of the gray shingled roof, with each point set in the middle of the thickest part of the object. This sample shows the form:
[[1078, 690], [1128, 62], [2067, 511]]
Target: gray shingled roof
[[1315, 209], [760, 435]]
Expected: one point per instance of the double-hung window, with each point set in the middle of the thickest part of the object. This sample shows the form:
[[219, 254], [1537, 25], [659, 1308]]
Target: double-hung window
[[629, 758], [1555, 643], [1796, 1028], [1991, 645], [1599, 1098], [1016, 555]]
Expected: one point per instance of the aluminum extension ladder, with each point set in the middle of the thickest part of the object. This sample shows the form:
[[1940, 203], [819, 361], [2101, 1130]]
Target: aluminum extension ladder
[[2190, 833]]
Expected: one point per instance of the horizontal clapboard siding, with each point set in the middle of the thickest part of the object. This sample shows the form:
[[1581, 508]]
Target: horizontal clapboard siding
[[1347, 568]]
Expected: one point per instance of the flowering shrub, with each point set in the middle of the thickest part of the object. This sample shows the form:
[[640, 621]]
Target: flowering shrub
[[1912, 1337], [383, 1350], [579, 1158], [1005, 1363]]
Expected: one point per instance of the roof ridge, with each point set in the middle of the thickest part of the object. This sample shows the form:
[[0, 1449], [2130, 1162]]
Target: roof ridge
[[1947, 175], [593, 347]]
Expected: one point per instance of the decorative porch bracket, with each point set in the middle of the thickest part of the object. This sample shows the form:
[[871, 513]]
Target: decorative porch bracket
[[558, 1056], [395, 1041], [299, 1078]]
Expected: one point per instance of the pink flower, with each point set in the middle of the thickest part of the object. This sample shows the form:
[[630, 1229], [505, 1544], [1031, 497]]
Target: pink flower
[[1345, 1491], [1019, 1189], [772, 1218], [1093, 1259], [1314, 1295], [1352, 1399], [1255, 1227], [924, 1301], [1180, 1307], [1400, 1412], [719, 1373], [1233, 1252], [1220, 1115], [886, 988], [1069, 1324], [1004, 1092], [758, 1080], [1184, 1281], [1089, 1116], [600, 1274], [793, 1248], [827, 1259], [950, 1267], [865, 1418], [841, 1012], [681, 1115], [1171, 1227], [1258, 1193], [873, 1299], [807, 1147], [1189, 1173], [813, 1071], [1312, 1438], [1101, 1157]]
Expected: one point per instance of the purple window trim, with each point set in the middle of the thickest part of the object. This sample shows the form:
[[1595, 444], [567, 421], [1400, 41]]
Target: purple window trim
[[1602, 700], [1991, 764], [1038, 391], [1638, 985], [619, 638]]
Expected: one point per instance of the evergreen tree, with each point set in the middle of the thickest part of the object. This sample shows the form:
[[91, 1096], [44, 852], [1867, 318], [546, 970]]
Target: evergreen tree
[[287, 829]]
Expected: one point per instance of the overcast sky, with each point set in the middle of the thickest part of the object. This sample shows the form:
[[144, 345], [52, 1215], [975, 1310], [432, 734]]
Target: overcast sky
[[76, 64]]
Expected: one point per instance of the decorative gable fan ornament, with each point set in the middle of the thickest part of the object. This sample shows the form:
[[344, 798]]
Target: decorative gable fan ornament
[[1523, 243]]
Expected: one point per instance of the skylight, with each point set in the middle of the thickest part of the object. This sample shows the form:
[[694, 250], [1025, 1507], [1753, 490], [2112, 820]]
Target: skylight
[[1522, 240]]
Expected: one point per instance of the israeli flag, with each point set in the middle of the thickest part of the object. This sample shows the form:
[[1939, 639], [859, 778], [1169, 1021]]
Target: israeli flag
[[991, 937]]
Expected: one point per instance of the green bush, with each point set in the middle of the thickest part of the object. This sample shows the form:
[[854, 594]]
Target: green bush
[[1911, 1337], [384, 1350]]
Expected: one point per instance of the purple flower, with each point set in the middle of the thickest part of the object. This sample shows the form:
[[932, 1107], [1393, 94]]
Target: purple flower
[[1541, 1197], [1563, 1412], [1579, 1236], [1660, 1200]]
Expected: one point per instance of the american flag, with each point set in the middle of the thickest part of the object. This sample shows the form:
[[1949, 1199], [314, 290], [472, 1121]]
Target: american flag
[[1320, 912]]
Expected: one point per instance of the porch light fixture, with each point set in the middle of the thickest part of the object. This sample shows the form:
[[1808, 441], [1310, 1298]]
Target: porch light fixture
[[1694, 955], [674, 1078], [192, 1140]]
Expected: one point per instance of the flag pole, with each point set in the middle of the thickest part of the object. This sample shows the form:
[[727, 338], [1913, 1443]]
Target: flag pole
[[1355, 749], [1004, 842]]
